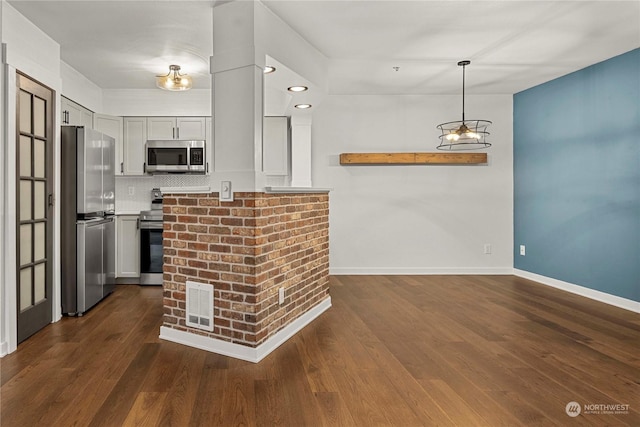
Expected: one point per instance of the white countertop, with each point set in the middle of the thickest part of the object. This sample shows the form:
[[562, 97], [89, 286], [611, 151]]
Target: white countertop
[[277, 190]]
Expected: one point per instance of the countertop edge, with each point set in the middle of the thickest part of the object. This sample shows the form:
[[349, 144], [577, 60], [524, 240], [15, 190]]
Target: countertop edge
[[277, 190]]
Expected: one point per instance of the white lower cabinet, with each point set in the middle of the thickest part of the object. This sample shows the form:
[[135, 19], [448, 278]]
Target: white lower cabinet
[[128, 246]]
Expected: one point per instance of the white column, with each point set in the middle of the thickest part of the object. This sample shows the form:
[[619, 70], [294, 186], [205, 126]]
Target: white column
[[301, 151], [237, 98]]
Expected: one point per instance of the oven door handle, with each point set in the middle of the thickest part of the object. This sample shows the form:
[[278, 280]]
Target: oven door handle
[[150, 225]]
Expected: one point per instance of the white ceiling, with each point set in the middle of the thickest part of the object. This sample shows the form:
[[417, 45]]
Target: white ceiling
[[513, 45]]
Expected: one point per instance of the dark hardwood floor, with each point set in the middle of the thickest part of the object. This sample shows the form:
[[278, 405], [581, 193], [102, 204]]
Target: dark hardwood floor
[[392, 351]]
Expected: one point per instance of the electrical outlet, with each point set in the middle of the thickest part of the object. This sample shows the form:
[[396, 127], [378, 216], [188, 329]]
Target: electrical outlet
[[226, 193], [487, 248], [281, 296], [522, 250], [132, 190]]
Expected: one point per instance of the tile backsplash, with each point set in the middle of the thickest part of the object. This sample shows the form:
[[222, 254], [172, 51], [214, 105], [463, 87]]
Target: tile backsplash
[[141, 187]]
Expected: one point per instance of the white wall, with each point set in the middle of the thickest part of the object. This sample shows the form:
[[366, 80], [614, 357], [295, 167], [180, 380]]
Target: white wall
[[156, 102], [417, 218], [32, 52], [80, 89]]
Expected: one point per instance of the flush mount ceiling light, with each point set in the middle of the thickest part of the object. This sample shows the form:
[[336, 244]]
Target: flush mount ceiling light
[[174, 80], [464, 134], [269, 69], [302, 106], [297, 89]]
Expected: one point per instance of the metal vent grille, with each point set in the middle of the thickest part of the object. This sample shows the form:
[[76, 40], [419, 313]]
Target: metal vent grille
[[199, 305]]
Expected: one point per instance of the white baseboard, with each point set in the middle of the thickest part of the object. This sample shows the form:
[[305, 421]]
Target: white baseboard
[[614, 300], [4, 349], [404, 271], [243, 352]]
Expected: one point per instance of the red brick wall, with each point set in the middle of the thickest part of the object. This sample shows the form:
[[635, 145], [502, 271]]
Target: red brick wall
[[247, 249]]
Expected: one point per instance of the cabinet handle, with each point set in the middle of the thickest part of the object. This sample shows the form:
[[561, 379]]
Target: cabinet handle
[[173, 133], [207, 167], [177, 133], [51, 200], [122, 167], [137, 223], [144, 167]]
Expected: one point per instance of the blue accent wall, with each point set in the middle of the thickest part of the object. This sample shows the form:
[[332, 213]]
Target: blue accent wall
[[577, 177]]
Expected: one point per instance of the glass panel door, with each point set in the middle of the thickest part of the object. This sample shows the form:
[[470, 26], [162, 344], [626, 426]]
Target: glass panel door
[[34, 193]]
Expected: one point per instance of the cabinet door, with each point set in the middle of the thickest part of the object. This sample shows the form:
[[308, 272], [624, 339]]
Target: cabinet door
[[135, 136], [112, 126], [191, 128], [75, 114], [127, 246], [86, 118], [161, 128]]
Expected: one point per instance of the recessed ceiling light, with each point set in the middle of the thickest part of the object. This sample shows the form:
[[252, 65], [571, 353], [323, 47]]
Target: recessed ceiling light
[[297, 88], [269, 69], [303, 106]]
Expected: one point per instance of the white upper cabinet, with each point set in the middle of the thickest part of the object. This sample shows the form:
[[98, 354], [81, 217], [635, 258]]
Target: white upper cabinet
[[75, 114], [135, 136], [176, 128], [112, 126], [191, 128]]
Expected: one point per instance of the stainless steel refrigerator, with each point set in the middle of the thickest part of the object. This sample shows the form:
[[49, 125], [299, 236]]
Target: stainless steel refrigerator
[[87, 218]]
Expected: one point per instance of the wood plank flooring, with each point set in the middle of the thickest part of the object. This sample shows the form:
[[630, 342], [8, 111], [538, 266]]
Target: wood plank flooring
[[392, 351]]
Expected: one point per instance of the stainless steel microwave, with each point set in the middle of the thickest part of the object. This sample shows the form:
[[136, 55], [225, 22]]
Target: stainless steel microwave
[[175, 156]]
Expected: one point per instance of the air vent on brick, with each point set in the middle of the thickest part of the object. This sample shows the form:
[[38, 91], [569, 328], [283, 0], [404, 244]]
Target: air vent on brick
[[200, 305]]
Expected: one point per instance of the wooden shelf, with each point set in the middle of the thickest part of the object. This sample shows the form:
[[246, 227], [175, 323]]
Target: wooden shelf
[[411, 158]]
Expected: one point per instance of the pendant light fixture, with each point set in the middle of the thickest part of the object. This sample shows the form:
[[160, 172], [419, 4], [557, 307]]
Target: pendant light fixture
[[464, 134], [174, 81]]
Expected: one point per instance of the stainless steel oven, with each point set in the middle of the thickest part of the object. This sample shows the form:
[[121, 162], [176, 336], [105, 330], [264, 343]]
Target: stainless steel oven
[[151, 249]]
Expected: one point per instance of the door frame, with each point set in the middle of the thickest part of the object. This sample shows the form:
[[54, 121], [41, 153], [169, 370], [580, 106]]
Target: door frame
[[8, 197], [29, 83]]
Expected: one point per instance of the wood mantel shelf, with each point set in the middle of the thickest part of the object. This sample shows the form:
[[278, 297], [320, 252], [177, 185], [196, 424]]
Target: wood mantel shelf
[[411, 158]]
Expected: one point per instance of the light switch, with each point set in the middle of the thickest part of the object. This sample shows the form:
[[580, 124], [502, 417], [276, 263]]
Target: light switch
[[226, 193]]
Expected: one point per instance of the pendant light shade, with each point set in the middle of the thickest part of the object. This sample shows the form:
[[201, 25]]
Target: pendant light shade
[[174, 81], [464, 134]]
